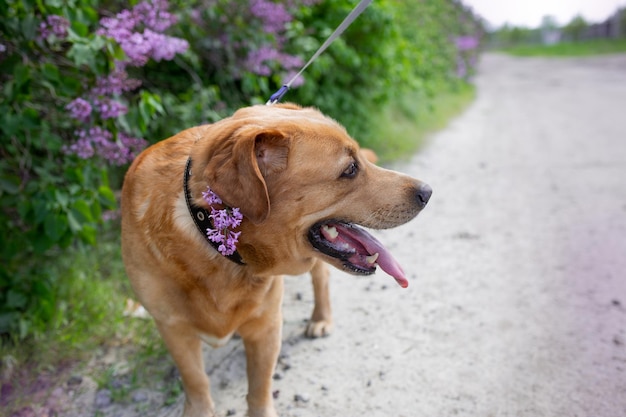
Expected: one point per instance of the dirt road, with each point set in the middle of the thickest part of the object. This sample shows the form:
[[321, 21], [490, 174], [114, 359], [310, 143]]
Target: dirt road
[[517, 297]]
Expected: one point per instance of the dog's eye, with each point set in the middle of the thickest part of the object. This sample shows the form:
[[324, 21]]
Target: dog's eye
[[351, 171]]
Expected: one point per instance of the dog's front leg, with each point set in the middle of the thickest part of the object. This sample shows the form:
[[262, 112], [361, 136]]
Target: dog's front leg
[[262, 340], [321, 323], [186, 349]]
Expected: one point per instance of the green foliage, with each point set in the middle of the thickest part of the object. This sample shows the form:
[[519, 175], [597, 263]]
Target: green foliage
[[394, 48], [47, 200]]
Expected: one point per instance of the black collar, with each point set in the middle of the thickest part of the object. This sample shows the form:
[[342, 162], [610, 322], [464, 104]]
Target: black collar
[[201, 217]]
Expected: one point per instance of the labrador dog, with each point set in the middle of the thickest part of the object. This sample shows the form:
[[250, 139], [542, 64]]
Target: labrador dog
[[215, 215]]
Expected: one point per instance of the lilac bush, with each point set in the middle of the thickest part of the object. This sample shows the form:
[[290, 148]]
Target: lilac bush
[[138, 32], [249, 42]]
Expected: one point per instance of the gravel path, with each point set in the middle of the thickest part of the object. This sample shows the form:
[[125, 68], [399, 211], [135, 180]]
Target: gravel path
[[517, 299]]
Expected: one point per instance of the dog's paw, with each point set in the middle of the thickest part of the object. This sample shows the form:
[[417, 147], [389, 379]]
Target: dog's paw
[[321, 328], [262, 412]]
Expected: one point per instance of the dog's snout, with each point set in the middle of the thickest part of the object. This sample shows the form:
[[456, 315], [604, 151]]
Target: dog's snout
[[423, 193]]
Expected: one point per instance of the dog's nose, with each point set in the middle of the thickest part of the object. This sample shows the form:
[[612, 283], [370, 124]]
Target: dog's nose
[[424, 191]]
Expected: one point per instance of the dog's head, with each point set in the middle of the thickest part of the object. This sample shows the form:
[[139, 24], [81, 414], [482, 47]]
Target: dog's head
[[303, 187]]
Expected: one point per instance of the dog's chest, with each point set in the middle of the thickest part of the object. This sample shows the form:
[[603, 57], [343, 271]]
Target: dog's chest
[[214, 341]]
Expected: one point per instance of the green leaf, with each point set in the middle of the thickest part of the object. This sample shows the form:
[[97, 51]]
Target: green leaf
[[41, 243], [40, 208], [55, 225], [50, 72], [88, 234], [82, 211], [61, 198], [54, 3], [9, 184], [16, 299], [80, 28], [81, 54], [107, 197], [75, 225]]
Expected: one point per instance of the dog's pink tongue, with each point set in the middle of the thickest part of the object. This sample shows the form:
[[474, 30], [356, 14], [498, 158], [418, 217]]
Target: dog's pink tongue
[[385, 260]]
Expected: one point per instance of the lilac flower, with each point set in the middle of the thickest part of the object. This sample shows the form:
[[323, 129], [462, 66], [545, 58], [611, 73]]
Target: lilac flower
[[154, 15], [164, 47], [115, 83], [81, 148], [224, 221], [134, 145], [54, 25], [466, 43], [119, 27], [110, 109], [273, 16], [210, 197], [98, 141], [80, 109], [139, 46], [257, 61], [88, 141]]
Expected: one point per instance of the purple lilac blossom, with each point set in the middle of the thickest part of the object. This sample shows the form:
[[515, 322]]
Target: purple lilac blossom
[[80, 109], [97, 140], [110, 109], [256, 61], [273, 15], [164, 47], [115, 84], [119, 27], [137, 48], [223, 221], [210, 197], [154, 15], [466, 43], [54, 25], [140, 47]]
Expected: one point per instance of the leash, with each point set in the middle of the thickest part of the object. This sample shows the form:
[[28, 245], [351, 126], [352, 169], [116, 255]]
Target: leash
[[277, 96]]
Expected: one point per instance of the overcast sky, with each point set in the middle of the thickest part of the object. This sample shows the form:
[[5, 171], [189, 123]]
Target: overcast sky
[[530, 12]]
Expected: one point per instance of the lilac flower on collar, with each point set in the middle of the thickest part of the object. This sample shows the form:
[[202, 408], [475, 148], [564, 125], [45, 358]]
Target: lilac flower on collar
[[224, 221]]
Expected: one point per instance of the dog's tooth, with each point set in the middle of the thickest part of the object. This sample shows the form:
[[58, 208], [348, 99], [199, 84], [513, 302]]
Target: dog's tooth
[[331, 231], [372, 258]]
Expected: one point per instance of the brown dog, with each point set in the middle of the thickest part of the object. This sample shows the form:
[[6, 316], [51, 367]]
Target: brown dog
[[301, 185]]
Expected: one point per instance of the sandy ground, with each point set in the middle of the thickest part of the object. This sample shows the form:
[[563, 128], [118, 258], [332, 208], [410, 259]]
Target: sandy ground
[[517, 297]]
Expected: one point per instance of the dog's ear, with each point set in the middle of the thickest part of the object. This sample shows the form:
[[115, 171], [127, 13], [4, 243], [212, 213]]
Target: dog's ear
[[237, 170]]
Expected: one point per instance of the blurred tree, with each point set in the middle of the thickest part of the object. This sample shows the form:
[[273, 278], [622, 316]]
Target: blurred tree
[[575, 29]]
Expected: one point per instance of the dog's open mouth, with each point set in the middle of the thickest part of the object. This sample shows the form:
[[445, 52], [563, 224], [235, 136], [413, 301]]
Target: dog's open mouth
[[359, 251]]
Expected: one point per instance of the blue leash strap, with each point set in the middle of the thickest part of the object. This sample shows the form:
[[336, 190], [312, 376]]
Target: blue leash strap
[[277, 96]]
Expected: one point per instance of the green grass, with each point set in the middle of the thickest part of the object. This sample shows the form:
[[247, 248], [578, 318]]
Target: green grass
[[403, 126], [90, 289], [565, 49]]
